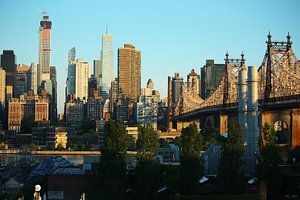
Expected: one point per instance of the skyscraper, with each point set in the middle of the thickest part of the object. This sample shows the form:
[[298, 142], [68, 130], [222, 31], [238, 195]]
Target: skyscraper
[[2, 86], [78, 75], [98, 72], [211, 75], [8, 62], [53, 112], [193, 83], [107, 64], [177, 82], [33, 79], [71, 55], [43, 68], [129, 71], [22, 80]]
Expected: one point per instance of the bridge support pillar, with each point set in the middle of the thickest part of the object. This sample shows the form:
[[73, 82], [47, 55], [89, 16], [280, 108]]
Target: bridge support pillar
[[223, 124], [182, 125], [295, 126]]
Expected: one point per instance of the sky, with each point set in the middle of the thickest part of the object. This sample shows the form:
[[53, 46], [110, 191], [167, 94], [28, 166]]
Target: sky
[[172, 35]]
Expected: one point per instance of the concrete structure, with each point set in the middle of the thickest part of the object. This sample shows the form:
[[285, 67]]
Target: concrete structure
[[8, 63], [71, 55], [193, 83], [107, 65], [98, 73], [177, 82], [43, 68], [57, 136], [129, 71], [94, 108], [2, 86], [22, 80], [74, 111], [78, 75], [35, 106], [33, 78], [211, 75]]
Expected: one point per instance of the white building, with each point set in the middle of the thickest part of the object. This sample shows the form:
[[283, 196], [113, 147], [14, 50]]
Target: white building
[[107, 65], [78, 75]]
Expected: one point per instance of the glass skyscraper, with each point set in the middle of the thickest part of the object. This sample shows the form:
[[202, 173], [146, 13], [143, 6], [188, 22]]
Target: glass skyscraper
[[43, 68], [107, 66]]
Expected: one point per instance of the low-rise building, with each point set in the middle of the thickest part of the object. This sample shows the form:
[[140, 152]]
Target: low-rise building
[[57, 138]]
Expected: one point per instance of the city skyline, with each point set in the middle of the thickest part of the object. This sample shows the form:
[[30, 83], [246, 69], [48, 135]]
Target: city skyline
[[175, 38]]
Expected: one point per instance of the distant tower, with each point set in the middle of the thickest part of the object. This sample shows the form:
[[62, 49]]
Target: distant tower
[[107, 64], [129, 71], [33, 80], [78, 75], [8, 63], [71, 55], [43, 68], [98, 73], [193, 83]]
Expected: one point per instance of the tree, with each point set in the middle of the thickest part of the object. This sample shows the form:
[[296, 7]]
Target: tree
[[109, 180], [268, 158], [148, 172], [230, 173], [147, 143], [210, 136], [191, 165], [87, 125]]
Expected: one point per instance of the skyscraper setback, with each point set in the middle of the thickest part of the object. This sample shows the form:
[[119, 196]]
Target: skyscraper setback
[[43, 68], [107, 66], [129, 71]]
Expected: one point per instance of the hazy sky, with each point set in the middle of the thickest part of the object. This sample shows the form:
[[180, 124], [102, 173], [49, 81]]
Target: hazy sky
[[173, 36]]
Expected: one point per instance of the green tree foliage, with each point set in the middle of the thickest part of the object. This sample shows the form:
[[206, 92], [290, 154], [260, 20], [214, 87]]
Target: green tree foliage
[[230, 173], [148, 172], [268, 159], [60, 146], [87, 125], [147, 143], [210, 136], [191, 166], [26, 124], [109, 181]]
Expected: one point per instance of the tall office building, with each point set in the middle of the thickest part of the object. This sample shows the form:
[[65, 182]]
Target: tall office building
[[78, 76], [193, 83], [129, 71], [2, 86], [177, 82], [33, 78], [43, 68], [98, 73], [8, 63], [53, 112], [71, 55], [107, 64], [211, 75], [22, 80]]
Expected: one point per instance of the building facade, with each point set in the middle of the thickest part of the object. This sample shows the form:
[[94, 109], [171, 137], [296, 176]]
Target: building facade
[[8, 63], [177, 82], [98, 73], [2, 86], [22, 80], [129, 71], [43, 68], [74, 111], [78, 75], [211, 75], [35, 107], [33, 78], [107, 65], [193, 83]]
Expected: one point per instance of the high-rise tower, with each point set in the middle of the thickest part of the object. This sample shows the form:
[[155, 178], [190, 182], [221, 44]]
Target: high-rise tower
[[43, 69], [129, 71], [107, 64]]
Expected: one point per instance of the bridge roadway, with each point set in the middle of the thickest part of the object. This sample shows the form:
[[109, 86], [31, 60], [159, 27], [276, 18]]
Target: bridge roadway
[[55, 153], [292, 101]]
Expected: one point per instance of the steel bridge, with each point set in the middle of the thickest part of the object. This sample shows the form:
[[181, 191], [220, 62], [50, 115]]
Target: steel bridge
[[278, 91]]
